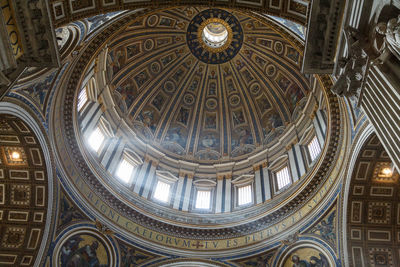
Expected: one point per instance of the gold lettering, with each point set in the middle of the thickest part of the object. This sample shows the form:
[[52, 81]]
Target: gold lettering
[[186, 243], [159, 237], [12, 29]]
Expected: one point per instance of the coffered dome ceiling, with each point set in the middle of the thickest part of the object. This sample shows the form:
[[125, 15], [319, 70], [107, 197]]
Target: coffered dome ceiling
[[205, 102], [202, 100]]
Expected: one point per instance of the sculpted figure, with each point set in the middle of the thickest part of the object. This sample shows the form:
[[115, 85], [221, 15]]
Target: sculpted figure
[[353, 66], [391, 31]]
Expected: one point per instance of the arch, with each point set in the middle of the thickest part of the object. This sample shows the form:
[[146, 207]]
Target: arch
[[21, 113], [370, 205], [363, 137]]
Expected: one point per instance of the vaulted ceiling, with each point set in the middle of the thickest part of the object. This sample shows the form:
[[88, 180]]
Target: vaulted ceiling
[[23, 193], [206, 106], [373, 210]]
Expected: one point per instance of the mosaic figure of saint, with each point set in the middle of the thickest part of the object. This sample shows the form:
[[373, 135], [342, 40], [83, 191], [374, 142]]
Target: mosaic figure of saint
[[85, 256]]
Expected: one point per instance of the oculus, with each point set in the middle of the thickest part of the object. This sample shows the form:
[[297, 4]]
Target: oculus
[[214, 36]]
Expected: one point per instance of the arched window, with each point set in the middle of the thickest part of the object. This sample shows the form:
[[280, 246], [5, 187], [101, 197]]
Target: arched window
[[313, 148], [96, 139], [165, 182], [125, 170], [281, 175], [162, 191], [82, 98], [243, 190], [128, 166], [204, 191], [203, 199]]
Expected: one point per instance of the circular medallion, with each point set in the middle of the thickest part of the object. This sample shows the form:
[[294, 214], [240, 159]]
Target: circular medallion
[[270, 70], [188, 99], [152, 20], [155, 67], [169, 87], [211, 103], [278, 46], [214, 36], [255, 89], [148, 44], [306, 254], [84, 247], [234, 100]]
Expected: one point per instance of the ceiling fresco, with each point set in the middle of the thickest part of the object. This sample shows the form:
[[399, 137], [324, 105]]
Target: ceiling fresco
[[188, 109], [180, 105]]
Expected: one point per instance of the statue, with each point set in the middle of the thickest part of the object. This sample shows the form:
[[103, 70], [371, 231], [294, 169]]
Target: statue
[[391, 31], [354, 65]]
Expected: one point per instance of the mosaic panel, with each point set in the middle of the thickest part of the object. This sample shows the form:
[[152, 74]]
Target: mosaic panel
[[326, 228], [68, 213], [306, 256], [262, 259], [177, 102], [84, 250], [132, 256]]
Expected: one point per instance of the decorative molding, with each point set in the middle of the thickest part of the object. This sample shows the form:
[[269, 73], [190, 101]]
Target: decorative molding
[[330, 156], [64, 12]]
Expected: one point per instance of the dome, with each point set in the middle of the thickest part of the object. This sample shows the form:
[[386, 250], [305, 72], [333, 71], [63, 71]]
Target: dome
[[161, 134], [179, 136], [171, 111], [200, 103]]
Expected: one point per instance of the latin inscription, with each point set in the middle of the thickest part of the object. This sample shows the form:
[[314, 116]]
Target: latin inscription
[[191, 244], [11, 27]]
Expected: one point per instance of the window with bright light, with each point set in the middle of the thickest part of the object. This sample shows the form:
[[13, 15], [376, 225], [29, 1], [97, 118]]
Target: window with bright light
[[215, 34], [82, 98], [124, 171], [314, 148], [203, 199], [162, 191], [283, 178], [96, 139], [244, 195]]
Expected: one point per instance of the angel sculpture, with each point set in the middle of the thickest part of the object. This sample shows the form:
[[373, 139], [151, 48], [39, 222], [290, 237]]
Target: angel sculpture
[[391, 31], [354, 65]]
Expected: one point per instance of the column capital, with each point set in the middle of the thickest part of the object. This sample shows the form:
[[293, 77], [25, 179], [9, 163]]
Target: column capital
[[265, 164]]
